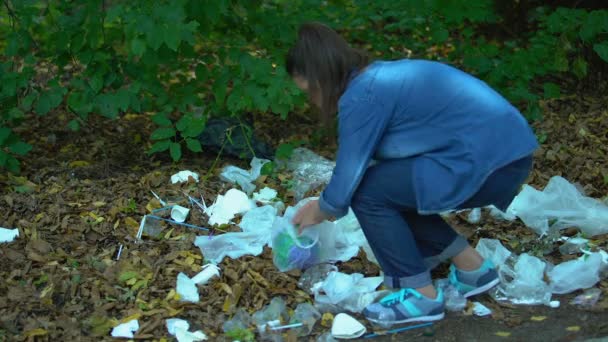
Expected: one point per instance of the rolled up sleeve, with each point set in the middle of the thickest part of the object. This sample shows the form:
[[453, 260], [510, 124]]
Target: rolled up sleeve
[[361, 125]]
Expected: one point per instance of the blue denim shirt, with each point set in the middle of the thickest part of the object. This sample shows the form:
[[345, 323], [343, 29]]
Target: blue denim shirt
[[458, 129]]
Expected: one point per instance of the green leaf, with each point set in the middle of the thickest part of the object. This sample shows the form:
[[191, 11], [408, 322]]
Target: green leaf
[[12, 165], [160, 146], [127, 275], [15, 113], [80, 103], [96, 82], [602, 50], [123, 98], [138, 47], [284, 151], [440, 35], [49, 100], [551, 90], [20, 148], [196, 127], [175, 149], [183, 122], [5, 132], [3, 158], [172, 36], [194, 145], [163, 133], [74, 125], [579, 67], [161, 119], [26, 103], [107, 105], [268, 169]]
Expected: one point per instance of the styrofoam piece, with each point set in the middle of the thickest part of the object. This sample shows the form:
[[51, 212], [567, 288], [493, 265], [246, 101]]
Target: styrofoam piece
[[346, 327], [126, 330], [209, 271], [266, 195], [179, 213], [179, 328], [182, 176], [186, 288], [8, 235]]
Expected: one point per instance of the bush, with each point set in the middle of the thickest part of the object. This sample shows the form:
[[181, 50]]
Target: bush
[[183, 61]]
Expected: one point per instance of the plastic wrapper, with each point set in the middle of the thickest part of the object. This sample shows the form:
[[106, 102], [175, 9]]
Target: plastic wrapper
[[309, 171], [560, 205], [572, 275], [522, 281]]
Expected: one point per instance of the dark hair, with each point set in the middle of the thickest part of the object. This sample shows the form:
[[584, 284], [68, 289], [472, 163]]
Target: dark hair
[[323, 58]]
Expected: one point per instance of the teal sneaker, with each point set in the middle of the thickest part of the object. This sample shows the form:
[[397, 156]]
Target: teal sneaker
[[404, 306], [471, 283]]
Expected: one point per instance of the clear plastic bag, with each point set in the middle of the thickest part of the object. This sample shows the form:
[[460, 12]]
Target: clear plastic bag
[[560, 205]]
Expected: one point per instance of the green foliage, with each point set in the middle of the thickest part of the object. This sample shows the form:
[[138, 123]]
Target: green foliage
[[183, 61]]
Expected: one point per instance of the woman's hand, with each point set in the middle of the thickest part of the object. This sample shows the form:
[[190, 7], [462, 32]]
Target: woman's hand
[[309, 215]]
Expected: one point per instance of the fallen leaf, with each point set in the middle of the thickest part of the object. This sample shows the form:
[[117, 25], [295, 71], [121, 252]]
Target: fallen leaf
[[503, 333], [574, 328], [79, 163], [538, 318], [327, 319], [36, 332]]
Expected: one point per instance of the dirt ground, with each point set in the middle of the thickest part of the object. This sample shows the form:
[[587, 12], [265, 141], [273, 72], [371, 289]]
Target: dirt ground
[[82, 194]]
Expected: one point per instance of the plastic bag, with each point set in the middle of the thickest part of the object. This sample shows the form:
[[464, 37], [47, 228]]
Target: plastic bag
[[309, 170], [522, 281], [227, 206], [244, 178], [352, 292], [259, 220], [325, 242], [581, 273], [454, 300], [234, 245], [493, 250], [560, 205], [292, 251]]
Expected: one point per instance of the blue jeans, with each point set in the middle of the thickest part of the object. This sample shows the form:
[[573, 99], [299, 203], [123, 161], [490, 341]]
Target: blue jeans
[[406, 244]]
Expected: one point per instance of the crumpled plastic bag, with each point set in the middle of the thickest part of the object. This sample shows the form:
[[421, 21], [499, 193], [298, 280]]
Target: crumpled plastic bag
[[351, 292], [179, 328], [324, 242], [224, 209], [522, 281], [309, 171], [560, 205], [581, 273], [349, 235], [233, 245], [291, 250], [244, 178], [259, 220], [493, 250]]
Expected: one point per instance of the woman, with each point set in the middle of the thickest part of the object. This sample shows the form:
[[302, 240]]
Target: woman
[[415, 138]]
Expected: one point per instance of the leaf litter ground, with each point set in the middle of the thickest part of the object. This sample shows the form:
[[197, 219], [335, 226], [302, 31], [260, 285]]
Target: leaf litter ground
[[83, 194]]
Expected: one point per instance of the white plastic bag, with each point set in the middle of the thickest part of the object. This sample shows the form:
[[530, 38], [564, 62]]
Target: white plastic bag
[[581, 273], [522, 281], [560, 205], [493, 250], [233, 245], [244, 178]]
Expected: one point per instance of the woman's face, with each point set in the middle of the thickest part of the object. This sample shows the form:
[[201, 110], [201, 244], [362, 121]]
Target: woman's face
[[302, 83]]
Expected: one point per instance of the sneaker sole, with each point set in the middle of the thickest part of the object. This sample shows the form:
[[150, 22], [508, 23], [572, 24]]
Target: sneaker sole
[[409, 320], [482, 289]]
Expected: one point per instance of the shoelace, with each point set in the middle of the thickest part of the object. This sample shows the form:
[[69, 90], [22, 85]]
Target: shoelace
[[399, 296]]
